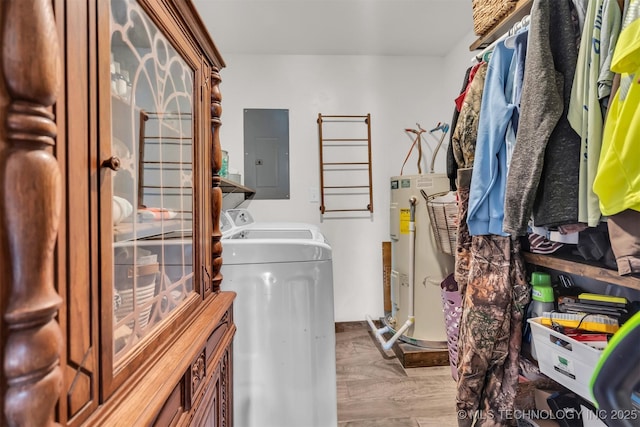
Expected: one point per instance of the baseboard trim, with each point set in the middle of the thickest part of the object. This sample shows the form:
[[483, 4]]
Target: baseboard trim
[[357, 324]]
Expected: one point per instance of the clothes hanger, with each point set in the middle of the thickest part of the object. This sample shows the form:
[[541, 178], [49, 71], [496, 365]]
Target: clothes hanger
[[485, 55], [517, 28]]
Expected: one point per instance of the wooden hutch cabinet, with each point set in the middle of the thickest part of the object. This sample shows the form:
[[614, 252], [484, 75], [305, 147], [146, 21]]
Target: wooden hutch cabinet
[[110, 199]]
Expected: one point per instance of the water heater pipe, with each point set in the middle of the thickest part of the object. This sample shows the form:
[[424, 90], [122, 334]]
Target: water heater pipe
[[386, 345], [412, 253], [444, 127]]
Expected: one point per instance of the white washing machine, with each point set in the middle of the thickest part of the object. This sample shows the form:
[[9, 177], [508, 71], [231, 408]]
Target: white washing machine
[[284, 371]]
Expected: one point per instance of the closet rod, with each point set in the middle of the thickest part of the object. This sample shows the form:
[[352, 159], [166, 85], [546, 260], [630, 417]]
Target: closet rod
[[524, 22]]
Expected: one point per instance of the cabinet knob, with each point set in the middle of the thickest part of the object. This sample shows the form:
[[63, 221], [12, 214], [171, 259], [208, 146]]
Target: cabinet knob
[[112, 163]]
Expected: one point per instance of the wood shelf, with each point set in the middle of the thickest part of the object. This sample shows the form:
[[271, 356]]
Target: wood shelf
[[229, 186], [582, 268], [522, 8], [129, 231]]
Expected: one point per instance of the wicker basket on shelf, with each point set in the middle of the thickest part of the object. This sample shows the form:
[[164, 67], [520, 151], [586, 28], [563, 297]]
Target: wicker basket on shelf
[[443, 215], [487, 13]]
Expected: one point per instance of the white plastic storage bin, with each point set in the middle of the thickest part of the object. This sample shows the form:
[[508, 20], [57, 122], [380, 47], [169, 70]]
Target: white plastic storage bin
[[563, 359]]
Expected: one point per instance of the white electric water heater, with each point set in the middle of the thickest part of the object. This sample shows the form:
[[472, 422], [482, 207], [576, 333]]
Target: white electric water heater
[[430, 266]]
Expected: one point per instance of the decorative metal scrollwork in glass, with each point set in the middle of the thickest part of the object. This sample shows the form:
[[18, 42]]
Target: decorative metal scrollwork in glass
[[152, 139]]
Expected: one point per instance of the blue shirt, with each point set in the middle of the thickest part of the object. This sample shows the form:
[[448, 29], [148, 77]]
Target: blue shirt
[[488, 182]]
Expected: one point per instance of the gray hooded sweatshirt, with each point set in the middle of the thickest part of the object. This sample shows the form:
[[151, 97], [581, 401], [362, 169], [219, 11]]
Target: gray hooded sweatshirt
[[544, 170]]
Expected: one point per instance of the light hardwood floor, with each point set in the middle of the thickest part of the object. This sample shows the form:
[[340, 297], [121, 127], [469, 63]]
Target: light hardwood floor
[[374, 390]]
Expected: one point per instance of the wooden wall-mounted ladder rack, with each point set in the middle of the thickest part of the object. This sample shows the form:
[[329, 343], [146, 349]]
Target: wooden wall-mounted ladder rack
[[345, 167]]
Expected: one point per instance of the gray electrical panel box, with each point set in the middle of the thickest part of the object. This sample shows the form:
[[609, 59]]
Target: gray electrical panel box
[[266, 152]]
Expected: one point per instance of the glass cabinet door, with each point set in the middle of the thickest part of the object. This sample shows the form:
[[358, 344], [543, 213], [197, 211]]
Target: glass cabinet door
[[151, 247]]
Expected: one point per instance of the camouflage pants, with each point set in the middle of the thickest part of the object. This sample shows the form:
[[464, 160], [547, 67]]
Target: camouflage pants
[[463, 240], [491, 332]]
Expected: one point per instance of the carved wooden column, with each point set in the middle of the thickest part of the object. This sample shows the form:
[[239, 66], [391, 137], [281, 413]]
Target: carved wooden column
[[29, 211], [226, 409], [216, 191]]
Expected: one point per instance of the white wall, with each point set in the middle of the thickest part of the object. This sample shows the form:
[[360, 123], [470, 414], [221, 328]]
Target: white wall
[[397, 91], [457, 62]]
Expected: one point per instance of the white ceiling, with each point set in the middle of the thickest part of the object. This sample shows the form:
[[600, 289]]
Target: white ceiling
[[336, 27]]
